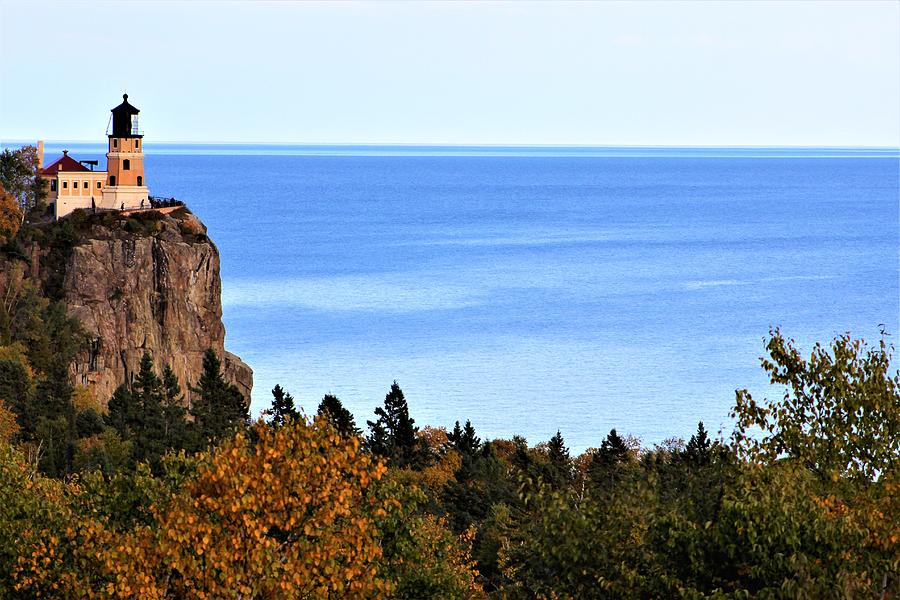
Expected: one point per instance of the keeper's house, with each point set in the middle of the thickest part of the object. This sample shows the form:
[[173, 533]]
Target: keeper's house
[[121, 186]]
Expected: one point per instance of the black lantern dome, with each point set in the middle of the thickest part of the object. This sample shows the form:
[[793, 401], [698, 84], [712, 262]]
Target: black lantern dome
[[125, 120]]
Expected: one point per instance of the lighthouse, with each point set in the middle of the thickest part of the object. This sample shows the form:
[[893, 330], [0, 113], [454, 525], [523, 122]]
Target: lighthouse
[[125, 185]]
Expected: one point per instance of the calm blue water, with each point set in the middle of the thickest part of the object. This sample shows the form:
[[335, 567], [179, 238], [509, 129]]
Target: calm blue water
[[531, 290]]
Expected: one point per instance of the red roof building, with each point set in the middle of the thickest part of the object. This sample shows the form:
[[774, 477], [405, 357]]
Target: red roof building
[[65, 163], [72, 186]]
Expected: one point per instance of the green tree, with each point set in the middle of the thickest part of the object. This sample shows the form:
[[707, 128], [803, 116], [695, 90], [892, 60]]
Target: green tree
[[282, 410], [340, 418], [840, 414], [122, 412], [394, 432], [605, 469], [699, 449], [218, 407], [175, 425], [19, 176], [148, 395], [464, 440], [560, 471]]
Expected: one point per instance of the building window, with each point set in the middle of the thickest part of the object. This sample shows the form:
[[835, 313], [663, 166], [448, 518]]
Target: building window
[[140, 180], [137, 143], [115, 143], [65, 184], [85, 185], [126, 165], [98, 185], [112, 180], [52, 185]]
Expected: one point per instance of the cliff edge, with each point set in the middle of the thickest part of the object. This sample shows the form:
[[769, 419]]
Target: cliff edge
[[146, 281]]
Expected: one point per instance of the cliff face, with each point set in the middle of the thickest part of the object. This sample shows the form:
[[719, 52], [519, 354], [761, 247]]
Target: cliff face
[[147, 284]]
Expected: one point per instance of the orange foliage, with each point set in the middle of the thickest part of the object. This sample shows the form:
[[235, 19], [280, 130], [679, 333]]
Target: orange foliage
[[433, 478], [10, 216], [287, 514], [8, 425]]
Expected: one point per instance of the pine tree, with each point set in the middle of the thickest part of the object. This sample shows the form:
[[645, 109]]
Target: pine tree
[[282, 409], [341, 418], [218, 407], [394, 432], [605, 468], [147, 396], [464, 440], [699, 448], [122, 412], [560, 462], [455, 436], [174, 411]]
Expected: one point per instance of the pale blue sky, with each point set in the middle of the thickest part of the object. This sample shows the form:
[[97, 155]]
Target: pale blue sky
[[644, 73]]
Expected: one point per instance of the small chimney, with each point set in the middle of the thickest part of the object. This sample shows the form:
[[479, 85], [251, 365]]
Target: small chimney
[[40, 153]]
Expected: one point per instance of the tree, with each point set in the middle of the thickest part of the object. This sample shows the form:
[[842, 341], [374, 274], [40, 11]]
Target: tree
[[218, 407], [19, 177], [10, 216], [394, 432], [698, 450], [122, 412], [341, 418], [560, 462], [291, 514], [282, 410], [175, 425], [839, 415], [604, 470], [464, 440], [149, 415], [148, 396]]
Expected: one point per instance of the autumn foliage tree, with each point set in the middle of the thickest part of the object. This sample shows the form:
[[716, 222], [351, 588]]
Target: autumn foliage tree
[[10, 216], [290, 515]]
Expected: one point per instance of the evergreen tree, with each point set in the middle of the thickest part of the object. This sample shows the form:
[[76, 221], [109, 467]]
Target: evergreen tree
[[699, 448], [174, 411], [394, 432], [218, 407], [605, 468], [122, 412], [341, 418], [521, 457], [282, 409], [148, 397], [560, 462], [454, 436], [464, 440]]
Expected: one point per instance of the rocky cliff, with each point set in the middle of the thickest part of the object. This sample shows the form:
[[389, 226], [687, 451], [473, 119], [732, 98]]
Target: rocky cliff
[[145, 282]]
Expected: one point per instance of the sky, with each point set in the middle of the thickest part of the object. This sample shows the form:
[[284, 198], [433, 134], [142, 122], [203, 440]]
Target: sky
[[643, 73]]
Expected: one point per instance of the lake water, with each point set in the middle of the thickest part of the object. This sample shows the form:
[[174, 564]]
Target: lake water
[[536, 289]]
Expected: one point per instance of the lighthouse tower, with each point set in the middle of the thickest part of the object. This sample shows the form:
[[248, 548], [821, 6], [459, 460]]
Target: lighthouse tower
[[125, 184]]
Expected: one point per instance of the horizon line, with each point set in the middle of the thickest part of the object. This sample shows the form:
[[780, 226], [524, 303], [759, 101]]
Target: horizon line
[[479, 145]]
